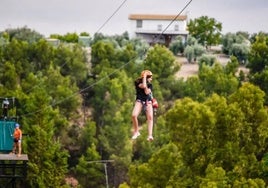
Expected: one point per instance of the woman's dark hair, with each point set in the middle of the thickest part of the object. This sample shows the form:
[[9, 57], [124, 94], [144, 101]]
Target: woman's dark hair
[[138, 80]]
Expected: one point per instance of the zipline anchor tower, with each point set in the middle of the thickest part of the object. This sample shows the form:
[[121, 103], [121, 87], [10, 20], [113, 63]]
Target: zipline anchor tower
[[12, 167]]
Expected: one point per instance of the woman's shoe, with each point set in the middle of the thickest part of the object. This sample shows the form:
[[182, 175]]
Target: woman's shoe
[[136, 135], [150, 138]]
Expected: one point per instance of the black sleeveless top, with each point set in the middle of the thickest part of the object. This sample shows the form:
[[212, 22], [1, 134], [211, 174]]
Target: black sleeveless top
[[140, 94]]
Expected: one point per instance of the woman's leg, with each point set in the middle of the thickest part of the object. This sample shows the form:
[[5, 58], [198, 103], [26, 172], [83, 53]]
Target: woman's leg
[[135, 113], [150, 120], [19, 149], [13, 148]]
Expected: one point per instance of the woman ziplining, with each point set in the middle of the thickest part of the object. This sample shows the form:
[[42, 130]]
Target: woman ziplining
[[144, 89]]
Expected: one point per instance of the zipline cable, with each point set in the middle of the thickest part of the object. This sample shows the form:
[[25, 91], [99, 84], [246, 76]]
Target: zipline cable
[[111, 16], [177, 16], [82, 90], [116, 70]]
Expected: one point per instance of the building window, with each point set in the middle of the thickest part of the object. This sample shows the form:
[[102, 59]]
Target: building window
[[139, 24], [176, 27], [159, 27]]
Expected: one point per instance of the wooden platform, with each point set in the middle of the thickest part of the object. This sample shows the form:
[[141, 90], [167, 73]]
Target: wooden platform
[[13, 157]]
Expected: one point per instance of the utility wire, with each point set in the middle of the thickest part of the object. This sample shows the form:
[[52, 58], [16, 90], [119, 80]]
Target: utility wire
[[116, 70], [111, 16], [58, 102], [118, 8], [177, 16], [84, 89]]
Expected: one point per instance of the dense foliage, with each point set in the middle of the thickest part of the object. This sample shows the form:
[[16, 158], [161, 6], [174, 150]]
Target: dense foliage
[[75, 111], [206, 30]]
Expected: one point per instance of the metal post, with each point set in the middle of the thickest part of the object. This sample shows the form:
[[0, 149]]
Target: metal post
[[105, 168]]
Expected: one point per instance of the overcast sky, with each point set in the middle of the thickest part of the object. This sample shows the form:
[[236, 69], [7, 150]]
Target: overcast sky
[[63, 16]]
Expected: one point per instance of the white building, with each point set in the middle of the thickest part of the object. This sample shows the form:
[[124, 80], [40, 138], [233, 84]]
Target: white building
[[156, 28], [84, 40], [53, 42]]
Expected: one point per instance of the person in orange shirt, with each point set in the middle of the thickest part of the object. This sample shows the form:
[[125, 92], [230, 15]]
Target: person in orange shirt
[[17, 136]]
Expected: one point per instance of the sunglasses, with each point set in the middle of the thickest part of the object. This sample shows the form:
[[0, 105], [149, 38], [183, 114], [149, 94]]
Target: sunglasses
[[149, 76]]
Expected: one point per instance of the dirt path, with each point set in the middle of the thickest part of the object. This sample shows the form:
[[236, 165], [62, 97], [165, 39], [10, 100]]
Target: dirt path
[[187, 69]]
